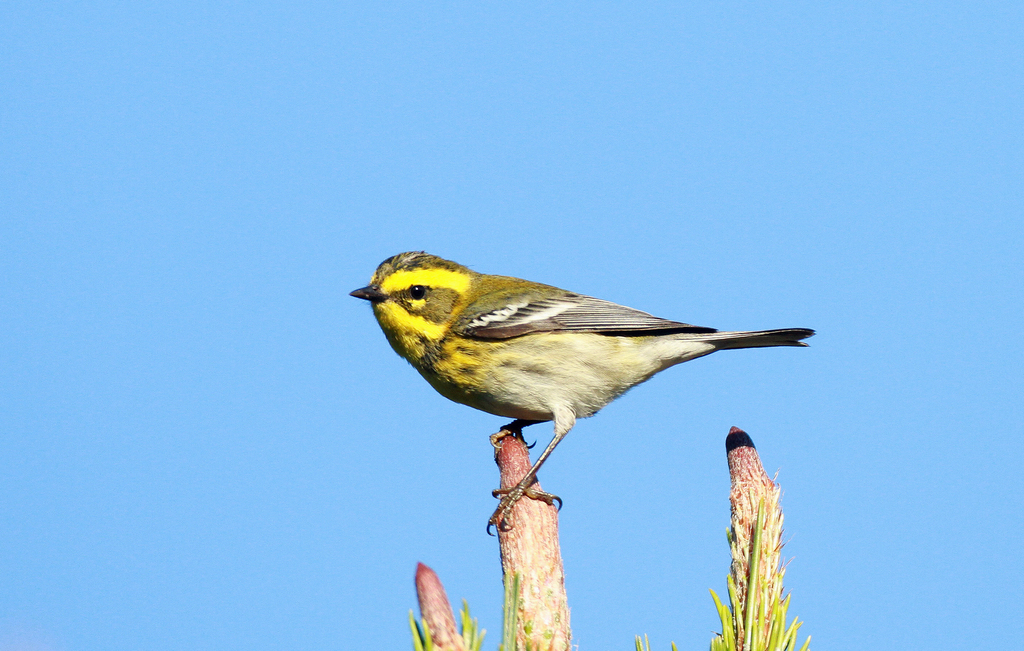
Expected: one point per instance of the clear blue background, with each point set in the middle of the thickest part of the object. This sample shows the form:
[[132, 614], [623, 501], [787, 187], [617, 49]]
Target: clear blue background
[[207, 444]]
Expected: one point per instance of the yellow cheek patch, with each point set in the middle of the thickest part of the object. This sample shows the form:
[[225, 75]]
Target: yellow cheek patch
[[393, 316], [442, 278]]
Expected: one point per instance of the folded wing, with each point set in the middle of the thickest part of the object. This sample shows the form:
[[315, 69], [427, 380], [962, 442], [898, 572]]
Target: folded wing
[[569, 313]]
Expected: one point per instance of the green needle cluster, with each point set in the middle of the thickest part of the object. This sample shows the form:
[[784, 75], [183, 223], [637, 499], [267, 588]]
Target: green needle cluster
[[763, 612]]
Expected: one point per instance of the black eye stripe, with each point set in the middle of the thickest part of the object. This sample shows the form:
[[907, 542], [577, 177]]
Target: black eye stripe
[[417, 292]]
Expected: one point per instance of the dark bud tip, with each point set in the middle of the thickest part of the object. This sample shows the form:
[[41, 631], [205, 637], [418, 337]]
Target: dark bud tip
[[737, 438]]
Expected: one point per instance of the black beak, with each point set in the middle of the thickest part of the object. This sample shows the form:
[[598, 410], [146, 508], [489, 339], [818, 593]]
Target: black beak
[[370, 293]]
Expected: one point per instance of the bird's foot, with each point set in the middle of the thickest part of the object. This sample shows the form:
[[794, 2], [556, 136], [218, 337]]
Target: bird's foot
[[509, 497], [497, 437], [515, 428]]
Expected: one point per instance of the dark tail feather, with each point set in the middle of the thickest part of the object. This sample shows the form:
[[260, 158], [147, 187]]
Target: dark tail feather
[[760, 339]]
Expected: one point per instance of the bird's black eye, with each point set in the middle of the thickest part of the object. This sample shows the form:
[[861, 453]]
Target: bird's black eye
[[417, 292]]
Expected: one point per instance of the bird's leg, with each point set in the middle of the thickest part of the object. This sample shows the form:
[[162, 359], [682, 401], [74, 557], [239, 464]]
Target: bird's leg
[[515, 428], [509, 496]]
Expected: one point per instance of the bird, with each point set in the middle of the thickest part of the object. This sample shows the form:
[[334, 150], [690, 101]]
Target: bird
[[528, 351]]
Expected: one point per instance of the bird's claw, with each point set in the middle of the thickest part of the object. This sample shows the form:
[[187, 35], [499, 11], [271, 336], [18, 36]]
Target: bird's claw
[[515, 428]]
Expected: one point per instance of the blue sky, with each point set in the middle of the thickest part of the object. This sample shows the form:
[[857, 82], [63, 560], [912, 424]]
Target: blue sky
[[205, 443]]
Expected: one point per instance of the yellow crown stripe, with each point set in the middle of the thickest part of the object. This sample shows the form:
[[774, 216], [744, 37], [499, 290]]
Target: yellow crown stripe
[[442, 278]]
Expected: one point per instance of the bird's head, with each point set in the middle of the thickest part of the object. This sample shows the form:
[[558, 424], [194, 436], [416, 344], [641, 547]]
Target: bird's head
[[416, 297]]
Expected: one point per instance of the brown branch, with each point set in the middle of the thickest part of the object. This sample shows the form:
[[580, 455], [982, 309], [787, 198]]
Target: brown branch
[[529, 546]]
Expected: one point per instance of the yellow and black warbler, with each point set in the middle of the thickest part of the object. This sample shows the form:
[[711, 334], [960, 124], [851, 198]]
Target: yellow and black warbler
[[528, 351]]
